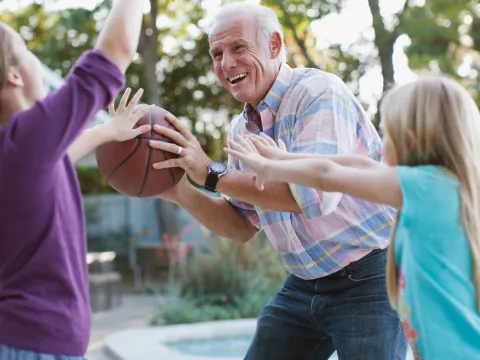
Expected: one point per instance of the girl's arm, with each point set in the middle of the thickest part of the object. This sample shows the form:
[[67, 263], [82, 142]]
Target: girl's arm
[[378, 184], [353, 161], [269, 149]]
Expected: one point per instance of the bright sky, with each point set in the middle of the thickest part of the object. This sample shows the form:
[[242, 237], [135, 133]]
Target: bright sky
[[342, 28]]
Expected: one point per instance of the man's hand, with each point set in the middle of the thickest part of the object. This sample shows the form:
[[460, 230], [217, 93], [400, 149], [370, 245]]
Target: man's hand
[[121, 127], [191, 156]]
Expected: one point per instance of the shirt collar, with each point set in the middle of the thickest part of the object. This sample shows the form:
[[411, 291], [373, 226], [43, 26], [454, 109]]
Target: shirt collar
[[277, 92]]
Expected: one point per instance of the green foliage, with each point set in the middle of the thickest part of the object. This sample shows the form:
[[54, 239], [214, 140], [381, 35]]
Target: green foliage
[[228, 282], [442, 33], [92, 182]]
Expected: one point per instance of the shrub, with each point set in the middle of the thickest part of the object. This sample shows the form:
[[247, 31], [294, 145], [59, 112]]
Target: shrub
[[227, 282]]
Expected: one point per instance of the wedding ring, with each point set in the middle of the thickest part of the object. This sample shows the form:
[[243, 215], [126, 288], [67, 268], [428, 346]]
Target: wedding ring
[[179, 150]]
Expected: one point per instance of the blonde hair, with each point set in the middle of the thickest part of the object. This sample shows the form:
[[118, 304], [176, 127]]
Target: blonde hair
[[446, 123]]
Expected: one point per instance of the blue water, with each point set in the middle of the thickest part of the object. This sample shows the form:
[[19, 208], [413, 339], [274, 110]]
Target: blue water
[[218, 347]]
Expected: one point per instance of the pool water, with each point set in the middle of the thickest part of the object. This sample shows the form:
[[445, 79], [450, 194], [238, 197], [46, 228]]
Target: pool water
[[217, 347]]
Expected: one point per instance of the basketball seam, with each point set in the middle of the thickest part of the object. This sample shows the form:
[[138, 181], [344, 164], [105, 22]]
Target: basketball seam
[[145, 174], [119, 165]]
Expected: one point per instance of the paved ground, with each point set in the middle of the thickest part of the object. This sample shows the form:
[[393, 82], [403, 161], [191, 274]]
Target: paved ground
[[136, 312]]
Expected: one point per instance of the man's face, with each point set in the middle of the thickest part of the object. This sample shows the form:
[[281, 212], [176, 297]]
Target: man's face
[[245, 69]]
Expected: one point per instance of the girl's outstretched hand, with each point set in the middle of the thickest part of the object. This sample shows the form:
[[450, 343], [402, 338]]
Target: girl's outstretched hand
[[245, 151], [268, 148]]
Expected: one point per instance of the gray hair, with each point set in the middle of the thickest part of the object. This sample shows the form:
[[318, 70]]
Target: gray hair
[[266, 18]]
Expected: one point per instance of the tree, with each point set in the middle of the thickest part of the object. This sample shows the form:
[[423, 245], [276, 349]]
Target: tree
[[296, 18], [445, 37]]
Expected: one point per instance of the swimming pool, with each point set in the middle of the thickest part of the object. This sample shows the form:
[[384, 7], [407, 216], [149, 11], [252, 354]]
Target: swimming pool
[[230, 346], [235, 347], [216, 340]]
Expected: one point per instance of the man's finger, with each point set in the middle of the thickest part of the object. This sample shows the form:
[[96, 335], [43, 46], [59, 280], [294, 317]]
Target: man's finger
[[142, 129], [134, 101], [164, 146], [168, 164], [123, 100], [177, 124], [173, 135]]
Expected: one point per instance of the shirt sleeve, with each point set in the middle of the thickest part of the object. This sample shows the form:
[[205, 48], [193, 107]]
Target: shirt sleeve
[[41, 135], [328, 125], [247, 211]]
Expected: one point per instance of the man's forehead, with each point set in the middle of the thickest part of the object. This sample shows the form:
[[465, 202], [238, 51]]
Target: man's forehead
[[229, 33]]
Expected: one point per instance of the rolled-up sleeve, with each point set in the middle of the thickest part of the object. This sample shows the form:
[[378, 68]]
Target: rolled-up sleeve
[[328, 125]]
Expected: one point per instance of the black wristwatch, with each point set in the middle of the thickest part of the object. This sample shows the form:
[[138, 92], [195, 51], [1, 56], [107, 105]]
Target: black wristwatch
[[215, 171]]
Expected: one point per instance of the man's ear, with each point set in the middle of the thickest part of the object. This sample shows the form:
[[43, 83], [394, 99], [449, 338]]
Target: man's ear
[[14, 77], [275, 45]]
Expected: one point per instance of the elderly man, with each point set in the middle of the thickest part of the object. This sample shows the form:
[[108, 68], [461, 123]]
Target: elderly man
[[332, 244]]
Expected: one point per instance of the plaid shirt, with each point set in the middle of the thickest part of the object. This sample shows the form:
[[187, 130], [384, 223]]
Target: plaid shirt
[[315, 112]]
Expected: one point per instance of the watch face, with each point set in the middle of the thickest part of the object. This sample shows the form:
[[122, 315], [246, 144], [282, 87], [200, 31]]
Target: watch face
[[218, 168]]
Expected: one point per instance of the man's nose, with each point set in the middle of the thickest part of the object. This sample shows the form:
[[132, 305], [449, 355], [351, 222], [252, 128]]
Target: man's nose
[[228, 61]]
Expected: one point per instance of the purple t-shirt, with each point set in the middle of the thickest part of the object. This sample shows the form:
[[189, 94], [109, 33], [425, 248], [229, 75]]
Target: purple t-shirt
[[44, 288]]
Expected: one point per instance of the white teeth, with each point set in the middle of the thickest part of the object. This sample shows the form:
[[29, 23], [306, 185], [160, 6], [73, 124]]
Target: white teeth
[[237, 77]]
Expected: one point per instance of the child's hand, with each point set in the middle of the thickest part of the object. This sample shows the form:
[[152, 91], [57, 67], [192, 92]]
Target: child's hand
[[121, 126], [268, 148], [246, 152]]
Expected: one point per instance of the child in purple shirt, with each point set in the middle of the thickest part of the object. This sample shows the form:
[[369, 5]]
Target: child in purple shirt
[[44, 289]]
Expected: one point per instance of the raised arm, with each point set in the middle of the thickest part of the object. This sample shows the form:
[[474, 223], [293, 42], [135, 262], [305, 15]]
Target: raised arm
[[119, 38], [42, 134]]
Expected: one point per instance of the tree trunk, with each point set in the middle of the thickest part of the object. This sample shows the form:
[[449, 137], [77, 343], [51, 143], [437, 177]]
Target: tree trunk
[[385, 52], [148, 49]]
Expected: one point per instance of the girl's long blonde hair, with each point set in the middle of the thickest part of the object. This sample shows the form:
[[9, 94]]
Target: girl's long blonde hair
[[445, 124]]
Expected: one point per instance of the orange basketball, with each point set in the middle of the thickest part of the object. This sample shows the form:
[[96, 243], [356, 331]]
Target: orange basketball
[[127, 166]]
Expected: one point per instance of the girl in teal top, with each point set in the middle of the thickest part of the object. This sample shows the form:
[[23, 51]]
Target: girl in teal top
[[431, 131]]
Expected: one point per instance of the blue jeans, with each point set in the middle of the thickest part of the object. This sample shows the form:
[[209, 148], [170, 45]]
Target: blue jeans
[[347, 311], [9, 353]]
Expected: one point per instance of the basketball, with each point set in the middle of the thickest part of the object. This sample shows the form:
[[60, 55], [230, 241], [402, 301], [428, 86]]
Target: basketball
[[128, 166]]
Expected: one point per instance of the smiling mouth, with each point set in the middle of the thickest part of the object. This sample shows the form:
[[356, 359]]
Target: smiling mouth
[[237, 78]]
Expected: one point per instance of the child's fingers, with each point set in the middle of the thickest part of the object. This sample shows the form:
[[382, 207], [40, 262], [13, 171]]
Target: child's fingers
[[234, 153], [111, 109], [142, 130], [144, 110], [123, 100], [268, 139], [236, 146], [134, 101], [247, 144]]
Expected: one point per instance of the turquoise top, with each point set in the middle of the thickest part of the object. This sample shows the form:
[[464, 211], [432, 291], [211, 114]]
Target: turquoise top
[[436, 291]]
